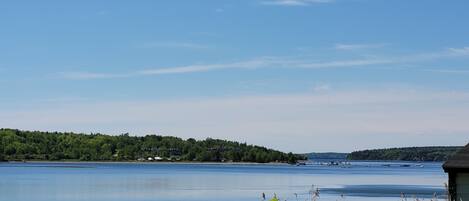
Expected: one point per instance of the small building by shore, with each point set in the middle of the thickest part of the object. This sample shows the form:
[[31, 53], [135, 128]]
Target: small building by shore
[[457, 168]]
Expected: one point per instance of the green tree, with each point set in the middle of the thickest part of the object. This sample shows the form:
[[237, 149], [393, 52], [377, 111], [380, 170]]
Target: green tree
[[19, 145]]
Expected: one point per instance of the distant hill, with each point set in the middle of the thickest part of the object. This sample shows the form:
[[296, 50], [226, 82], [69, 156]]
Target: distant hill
[[327, 155], [36, 145], [406, 154]]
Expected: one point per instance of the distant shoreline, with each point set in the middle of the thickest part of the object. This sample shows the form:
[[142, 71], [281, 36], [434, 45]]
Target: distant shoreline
[[196, 162], [432, 153]]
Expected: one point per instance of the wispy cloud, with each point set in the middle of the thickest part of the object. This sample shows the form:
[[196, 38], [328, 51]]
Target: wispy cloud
[[321, 88], [448, 71], [347, 63], [461, 51], [275, 62], [358, 46], [295, 2], [249, 64], [168, 44]]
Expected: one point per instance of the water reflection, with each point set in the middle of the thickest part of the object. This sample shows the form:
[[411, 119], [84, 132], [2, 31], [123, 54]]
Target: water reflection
[[210, 182]]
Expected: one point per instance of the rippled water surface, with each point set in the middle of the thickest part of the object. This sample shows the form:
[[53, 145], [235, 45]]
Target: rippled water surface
[[213, 182]]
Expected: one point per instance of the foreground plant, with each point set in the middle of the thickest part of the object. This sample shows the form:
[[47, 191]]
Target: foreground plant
[[314, 196]]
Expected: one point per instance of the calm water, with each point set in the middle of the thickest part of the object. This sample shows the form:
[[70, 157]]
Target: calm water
[[213, 182]]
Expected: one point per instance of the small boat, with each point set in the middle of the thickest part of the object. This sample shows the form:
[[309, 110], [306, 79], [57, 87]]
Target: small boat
[[333, 163], [300, 163]]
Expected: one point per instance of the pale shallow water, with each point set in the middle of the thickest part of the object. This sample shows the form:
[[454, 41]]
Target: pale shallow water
[[362, 181]]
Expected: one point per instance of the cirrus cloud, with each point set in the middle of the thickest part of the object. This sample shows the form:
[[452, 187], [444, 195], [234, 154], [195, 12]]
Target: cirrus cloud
[[276, 62]]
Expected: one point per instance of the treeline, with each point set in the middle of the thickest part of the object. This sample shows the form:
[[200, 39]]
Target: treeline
[[35, 145], [406, 154], [327, 155]]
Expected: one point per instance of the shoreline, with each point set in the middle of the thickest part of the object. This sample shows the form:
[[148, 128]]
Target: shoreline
[[144, 163]]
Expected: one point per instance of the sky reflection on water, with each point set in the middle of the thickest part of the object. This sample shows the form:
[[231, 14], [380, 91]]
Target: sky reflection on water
[[210, 182]]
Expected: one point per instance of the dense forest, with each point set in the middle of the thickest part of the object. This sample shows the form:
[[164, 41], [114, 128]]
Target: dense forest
[[328, 155], [35, 145], [406, 154]]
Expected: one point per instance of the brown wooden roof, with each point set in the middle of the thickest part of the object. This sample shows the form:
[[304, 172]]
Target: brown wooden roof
[[458, 162]]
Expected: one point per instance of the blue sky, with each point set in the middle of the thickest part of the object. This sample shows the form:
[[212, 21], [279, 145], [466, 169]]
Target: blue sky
[[296, 75]]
